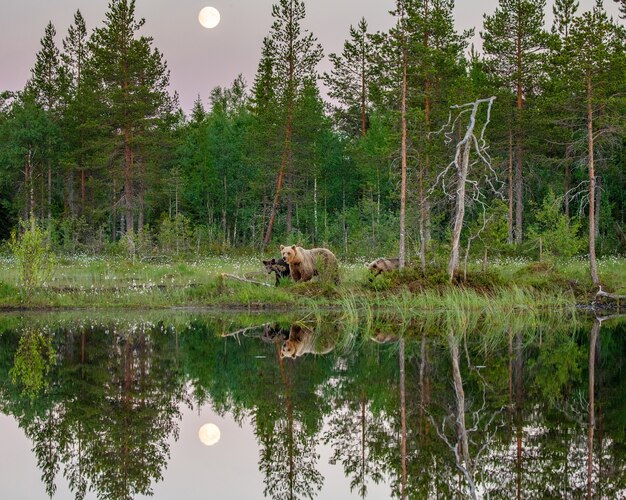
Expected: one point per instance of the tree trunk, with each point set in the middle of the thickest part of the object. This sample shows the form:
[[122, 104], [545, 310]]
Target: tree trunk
[[279, 183], [592, 189], [510, 239], [459, 214], [424, 220], [315, 210], [113, 211], [598, 203], [49, 187], [568, 180], [363, 94], [519, 181], [402, 252]]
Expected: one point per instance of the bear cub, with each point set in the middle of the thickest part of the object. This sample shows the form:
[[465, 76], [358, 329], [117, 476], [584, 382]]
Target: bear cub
[[382, 265], [279, 267]]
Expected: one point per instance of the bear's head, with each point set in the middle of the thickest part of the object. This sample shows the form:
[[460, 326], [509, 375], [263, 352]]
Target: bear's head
[[374, 266], [269, 265], [288, 253], [289, 349]]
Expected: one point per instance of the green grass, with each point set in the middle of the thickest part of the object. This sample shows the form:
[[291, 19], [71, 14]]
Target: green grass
[[103, 283]]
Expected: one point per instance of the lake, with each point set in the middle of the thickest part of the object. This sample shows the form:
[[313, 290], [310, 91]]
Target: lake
[[443, 405]]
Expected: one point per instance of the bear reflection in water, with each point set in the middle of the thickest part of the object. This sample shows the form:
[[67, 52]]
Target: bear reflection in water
[[303, 340], [384, 338]]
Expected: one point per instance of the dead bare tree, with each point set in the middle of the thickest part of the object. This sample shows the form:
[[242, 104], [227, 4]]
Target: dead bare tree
[[456, 423], [461, 165]]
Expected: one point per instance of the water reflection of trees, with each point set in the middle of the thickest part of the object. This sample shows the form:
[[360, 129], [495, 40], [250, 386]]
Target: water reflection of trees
[[106, 418], [451, 406], [282, 397]]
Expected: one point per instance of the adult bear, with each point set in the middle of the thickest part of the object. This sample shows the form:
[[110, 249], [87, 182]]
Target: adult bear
[[304, 264], [303, 340]]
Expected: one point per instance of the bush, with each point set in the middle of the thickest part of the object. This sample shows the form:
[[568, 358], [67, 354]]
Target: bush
[[33, 254], [175, 235], [559, 235]]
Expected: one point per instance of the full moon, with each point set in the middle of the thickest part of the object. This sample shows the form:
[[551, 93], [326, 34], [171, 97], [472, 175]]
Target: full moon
[[209, 17], [209, 434]]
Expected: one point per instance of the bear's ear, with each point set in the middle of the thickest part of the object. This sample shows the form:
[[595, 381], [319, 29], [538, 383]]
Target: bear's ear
[[293, 246], [281, 247]]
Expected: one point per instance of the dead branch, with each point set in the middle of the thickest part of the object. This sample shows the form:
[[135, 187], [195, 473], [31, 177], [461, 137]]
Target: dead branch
[[613, 296], [243, 331], [245, 280]]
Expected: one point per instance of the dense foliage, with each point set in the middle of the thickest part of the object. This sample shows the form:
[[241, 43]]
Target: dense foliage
[[97, 149]]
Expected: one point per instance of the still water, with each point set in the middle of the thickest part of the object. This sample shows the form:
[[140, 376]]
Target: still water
[[439, 406]]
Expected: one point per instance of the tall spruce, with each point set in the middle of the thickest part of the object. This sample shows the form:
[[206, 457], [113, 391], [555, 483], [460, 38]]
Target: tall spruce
[[130, 81], [296, 54], [349, 80], [564, 12], [48, 84], [75, 55], [513, 42]]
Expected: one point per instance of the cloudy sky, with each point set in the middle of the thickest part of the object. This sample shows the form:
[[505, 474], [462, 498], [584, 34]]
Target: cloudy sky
[[198, 58]]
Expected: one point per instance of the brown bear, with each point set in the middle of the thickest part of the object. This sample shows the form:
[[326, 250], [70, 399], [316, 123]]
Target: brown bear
[[304, 264], [303, 340], [382, 265], [280, 267]]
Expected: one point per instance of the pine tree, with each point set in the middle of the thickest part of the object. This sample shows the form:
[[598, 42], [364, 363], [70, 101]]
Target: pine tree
[[513, 42], [599, 48], [564, 13], [130, 81], [438, 67], [295, 58]]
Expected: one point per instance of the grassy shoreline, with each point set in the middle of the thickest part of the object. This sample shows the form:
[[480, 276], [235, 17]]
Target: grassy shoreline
[[110, 283]]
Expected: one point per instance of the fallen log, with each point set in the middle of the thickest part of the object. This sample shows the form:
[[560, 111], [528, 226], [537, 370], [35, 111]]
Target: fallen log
[[613, 296], [245, 280], [243, 331]]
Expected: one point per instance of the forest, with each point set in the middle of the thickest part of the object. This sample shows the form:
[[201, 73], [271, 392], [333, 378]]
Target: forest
[[374, 157]]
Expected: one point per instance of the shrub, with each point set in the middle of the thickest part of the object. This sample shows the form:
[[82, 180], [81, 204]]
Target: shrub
[[32, 249], [559, 235], [175, 235]]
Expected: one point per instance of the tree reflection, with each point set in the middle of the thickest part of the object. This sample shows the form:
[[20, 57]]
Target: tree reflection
[[421, 411], [593, 340], [358, 429], [456, 433], [33, 360], [107, 417], [280, 394]]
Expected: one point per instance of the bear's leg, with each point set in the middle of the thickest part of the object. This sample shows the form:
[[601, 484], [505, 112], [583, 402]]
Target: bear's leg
[[295, 273]]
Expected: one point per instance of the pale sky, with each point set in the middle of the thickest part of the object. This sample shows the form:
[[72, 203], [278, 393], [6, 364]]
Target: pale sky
[[198, 58]]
